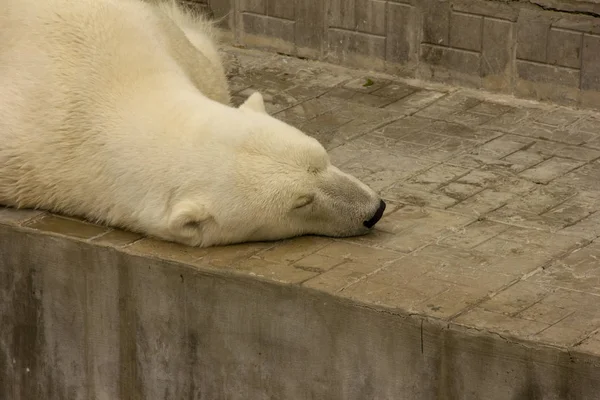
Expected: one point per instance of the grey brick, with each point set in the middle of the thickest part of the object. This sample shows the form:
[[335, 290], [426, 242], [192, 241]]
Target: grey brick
[[564, 48], [342, 14], [400, 40], [532, 37], [590, 65], [345, 45], [220, 9], [547, 74], [271, 27], [370, 16], [310, 27], [497, 47], [462, 61], [493, 9], [255, 6], [580, 23], [281, 9], [436, 24], [465, 31]]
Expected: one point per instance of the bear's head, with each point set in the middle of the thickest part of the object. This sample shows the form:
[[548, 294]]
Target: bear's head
[[278, 183]]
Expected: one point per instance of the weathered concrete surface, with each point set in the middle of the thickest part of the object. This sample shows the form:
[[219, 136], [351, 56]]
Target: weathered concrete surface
[[81, 321], [539, 49], [482, 280]]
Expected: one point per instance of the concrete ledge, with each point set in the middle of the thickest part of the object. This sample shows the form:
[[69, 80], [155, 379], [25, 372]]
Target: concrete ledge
[[85, 321], [544, 49]]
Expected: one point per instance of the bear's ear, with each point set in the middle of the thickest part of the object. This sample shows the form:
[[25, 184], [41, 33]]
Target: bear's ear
[[187, 219], [255, 103]]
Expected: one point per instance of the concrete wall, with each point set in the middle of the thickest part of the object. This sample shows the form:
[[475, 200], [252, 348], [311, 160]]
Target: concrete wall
[[541, 49], [83, 321]]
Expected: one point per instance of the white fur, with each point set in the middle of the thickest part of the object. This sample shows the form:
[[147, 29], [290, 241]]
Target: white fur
[[118, 111]]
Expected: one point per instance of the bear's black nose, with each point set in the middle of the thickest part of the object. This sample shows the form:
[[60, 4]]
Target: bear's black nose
[[378, 214]]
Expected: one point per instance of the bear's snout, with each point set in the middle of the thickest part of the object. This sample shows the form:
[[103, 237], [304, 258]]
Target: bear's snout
[[375, 218]]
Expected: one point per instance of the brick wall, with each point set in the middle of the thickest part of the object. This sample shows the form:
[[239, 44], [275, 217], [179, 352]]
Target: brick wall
[[518, 47]]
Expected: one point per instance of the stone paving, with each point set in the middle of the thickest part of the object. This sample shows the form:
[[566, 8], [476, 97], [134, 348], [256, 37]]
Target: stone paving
[[494, 203]]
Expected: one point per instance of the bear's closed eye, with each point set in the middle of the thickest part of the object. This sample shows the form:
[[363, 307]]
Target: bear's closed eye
[[303, 201]]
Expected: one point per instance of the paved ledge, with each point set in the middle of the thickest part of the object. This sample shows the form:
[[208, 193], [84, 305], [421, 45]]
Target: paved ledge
[[482, 281]]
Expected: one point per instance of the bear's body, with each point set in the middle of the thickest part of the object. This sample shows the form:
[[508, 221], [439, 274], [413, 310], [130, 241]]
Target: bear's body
[[118, 111]]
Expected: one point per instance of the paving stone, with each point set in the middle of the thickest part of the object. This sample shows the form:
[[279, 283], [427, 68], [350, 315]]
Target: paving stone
[[294, 250], [461, 131], [522, 160], [542, 199], [395, 91], [358, 97], [508, 121], [489, 108], [589, 124], [469, 118], [452, 301], [549, 132], [11, 216], [550, 169], [117, 238], [590, 344], [436, 176], [503, 324], [415, 102], [516, 298], [66, 226], [399, 192], [283, 273], [483, 202], [366, 84], [341, 276], [473, 234], [579, 271], [414, 227], [588, 228], [403, 126], [557, 117]]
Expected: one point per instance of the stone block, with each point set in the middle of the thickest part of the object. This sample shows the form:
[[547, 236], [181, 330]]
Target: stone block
[[462, 61], [281, 9], [493, 9], [254, 6], [465, 31], [532, 37], [564, 48], [342, 14], [221, 9], [371, 16], [590, 63], [310, 28], [269, 32], [496, 55], [436, 23], [553, 75], [402, 30], [356, 48]]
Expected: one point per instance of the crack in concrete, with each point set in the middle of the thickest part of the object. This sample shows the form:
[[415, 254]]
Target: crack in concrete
[[573, 12]]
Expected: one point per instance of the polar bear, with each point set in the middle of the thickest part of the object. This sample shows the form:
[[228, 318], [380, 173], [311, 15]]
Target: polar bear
[[118, 111]]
